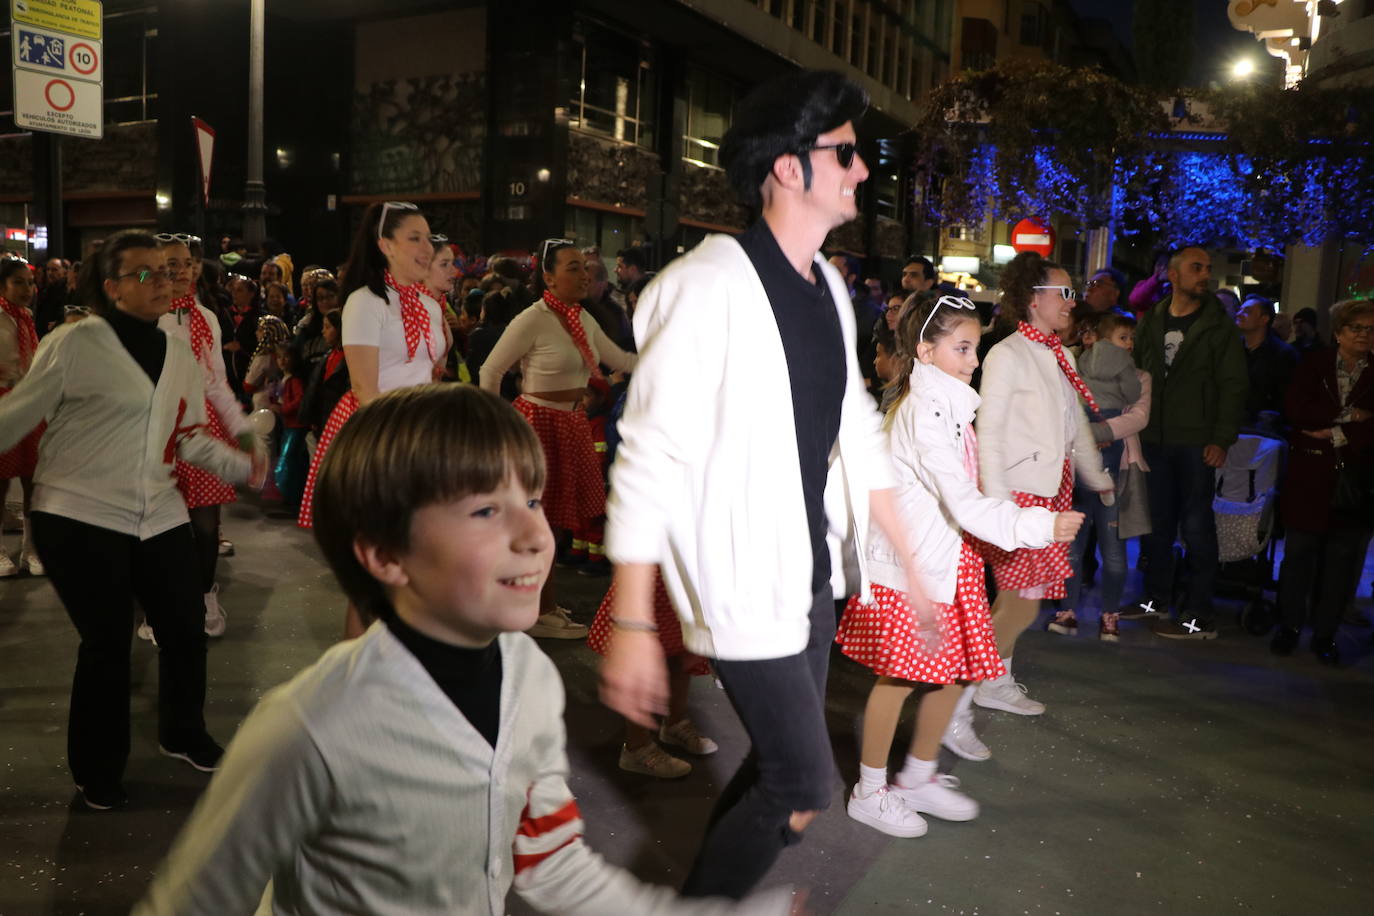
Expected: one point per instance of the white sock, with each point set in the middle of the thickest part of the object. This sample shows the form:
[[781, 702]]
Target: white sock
[[871, 779], [916, 772], [1006, 663]]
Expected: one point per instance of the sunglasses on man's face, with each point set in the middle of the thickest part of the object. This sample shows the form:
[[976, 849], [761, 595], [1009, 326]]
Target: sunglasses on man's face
[[844, 152], [1065, 292]]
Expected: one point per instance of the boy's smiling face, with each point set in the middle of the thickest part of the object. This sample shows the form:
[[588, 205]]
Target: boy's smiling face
[[474, 567]]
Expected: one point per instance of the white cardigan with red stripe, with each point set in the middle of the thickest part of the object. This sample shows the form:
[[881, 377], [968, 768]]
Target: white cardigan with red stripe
[[359, 787]]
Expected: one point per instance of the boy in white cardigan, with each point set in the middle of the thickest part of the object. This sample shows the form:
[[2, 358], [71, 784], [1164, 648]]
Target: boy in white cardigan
[[419, 768]]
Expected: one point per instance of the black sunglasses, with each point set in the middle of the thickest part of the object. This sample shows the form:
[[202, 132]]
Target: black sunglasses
[[844, 152]]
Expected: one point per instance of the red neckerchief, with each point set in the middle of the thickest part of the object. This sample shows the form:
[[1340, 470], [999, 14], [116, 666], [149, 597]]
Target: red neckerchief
[[414, 316], [570, 316], [201, 337], [331, 362], [28, 332], [1057, 347], [238, 314]]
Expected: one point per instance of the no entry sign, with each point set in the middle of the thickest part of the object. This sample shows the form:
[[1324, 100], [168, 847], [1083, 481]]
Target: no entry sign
[[1033, 235]]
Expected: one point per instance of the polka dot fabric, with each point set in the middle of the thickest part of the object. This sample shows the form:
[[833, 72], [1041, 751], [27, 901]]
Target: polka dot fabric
[[1027, 567], [347, 406], [882, 636], [665, 618], [199, 487], [574, 492]]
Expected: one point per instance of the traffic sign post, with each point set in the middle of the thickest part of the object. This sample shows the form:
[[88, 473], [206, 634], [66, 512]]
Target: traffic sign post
[[59, 66], [1033, 235]]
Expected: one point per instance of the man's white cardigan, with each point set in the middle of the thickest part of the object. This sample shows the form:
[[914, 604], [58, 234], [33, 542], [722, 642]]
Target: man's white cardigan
[[707, 481]]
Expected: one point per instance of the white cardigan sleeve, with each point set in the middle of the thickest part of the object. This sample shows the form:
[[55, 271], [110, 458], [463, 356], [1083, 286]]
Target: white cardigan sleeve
[[999, 381], [37, 394], [194, 444], [671, 408]]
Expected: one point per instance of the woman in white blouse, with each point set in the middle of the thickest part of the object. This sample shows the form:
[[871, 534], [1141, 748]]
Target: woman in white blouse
[[559, 347]]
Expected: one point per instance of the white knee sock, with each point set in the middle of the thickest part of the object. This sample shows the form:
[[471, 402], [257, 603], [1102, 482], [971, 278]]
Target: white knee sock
[[871, 779], [916, 772]]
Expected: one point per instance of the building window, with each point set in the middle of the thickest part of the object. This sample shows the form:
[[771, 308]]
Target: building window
[[710, 103], [1035, 25], [608, 231], [615, 93], [978, 44]]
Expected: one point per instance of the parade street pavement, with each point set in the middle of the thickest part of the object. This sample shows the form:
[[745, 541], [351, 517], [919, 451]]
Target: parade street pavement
[[1165, 778]]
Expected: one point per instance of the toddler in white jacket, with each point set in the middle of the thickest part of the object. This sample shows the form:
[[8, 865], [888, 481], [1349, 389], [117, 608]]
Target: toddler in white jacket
[[936, 458]]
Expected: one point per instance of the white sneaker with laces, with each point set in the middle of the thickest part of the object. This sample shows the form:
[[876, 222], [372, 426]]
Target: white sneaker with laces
[[961, 740], [215, 618], [226, 547], [557, 625], [1005, 694], [652, 760], [30, 562], [684, 734], [7, 567], [885, 812], [146, 632], [939, 797]]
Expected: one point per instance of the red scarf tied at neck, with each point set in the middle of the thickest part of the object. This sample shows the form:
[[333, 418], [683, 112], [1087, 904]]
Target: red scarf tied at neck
[[571, 317], [28, 332], [1057, 347], [414, 316], [202, 340]]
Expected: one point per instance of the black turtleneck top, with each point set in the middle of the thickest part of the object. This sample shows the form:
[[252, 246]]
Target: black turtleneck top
[[143, 339], [471, 678]]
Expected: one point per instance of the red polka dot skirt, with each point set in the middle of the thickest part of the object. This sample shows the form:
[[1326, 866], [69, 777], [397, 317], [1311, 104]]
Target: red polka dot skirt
[[22, 459], [665, 618], [882, 635], [198, 486], [574, 490], [1028, 567], [347, 406]]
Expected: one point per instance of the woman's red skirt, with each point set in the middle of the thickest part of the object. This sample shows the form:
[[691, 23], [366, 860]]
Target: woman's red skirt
[[198, 486], [574, 490], [347, 406], [22, 459], [882, 635], [1028, 567], [665, 618]]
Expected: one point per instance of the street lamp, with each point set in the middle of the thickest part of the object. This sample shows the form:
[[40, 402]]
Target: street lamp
[[1242, 68]]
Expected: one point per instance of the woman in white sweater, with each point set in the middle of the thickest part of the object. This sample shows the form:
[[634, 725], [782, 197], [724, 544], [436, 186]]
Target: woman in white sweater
[[1033, 437], [123, 403]]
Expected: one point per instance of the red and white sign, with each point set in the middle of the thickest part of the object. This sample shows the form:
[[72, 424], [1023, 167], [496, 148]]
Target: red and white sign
[[58, 104], [205, 149], [1033, 235]]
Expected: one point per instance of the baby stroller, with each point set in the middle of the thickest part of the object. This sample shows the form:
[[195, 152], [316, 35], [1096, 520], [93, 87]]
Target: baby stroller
[[1245, 506]]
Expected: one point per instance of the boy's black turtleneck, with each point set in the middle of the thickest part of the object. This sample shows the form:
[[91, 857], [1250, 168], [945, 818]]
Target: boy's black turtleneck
[[471, 678], [143, 339]]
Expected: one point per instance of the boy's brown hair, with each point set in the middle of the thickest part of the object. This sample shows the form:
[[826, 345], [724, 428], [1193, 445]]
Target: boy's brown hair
[[1110, 320], [408, 449]]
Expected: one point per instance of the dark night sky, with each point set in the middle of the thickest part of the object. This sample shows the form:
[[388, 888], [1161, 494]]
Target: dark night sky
[[1217, 47]]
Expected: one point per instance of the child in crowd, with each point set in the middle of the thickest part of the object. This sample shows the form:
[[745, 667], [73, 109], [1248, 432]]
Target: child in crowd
[[885, 361], [419, 768], [329, 380], [293, 462], [263, 378], [936, 456], [1122, 393]]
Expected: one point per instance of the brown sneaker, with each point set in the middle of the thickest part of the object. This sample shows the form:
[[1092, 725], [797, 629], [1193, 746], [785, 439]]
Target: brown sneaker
[[1064, 622], [652, 760], [1107, 628]]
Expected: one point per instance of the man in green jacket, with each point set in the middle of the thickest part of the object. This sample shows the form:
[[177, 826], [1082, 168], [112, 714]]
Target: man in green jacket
[[1197, 365]]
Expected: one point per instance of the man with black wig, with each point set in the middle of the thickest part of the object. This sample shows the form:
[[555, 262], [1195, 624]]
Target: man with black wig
[[751, 461]]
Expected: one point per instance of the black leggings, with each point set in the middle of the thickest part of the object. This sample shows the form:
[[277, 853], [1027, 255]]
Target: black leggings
[[205, 533], [98, 574]]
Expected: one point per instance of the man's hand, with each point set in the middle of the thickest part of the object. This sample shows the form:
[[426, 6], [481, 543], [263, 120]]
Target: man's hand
[[1066, 525], [1323, 434], [634, 677], [1214, 456]]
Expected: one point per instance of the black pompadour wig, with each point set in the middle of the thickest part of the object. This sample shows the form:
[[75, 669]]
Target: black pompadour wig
[[785, 116]]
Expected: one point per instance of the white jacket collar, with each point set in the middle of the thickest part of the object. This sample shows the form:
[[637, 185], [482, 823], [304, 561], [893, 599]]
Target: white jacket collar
[[931, 381]]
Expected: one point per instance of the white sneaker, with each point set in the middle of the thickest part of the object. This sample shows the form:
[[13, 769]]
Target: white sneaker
[[885, 812], [146, 632], [940, 797], [215, 618], [652, 760], [226, 548], [685, 735], [1005, 694], [7, 567], [557, 625], [962, 741], [30, 562]]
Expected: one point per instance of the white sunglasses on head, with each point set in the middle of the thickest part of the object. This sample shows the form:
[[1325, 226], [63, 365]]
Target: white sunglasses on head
[[954, 302], [392, 205]]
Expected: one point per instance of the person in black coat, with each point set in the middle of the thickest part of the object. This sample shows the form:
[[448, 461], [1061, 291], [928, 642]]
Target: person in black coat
[[1271, 363]]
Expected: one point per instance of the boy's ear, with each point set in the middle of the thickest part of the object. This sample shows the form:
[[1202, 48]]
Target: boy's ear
[[380, 564]]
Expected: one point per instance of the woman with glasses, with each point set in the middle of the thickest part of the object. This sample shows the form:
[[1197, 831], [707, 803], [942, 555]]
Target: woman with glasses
[[392, 328], [1033, 437], [322, 298], [18, 343], [1330, 406], [559, 347], [123, 403], [190, 321]]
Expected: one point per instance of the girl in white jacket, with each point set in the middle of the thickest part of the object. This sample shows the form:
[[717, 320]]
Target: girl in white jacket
[[936, 458]]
